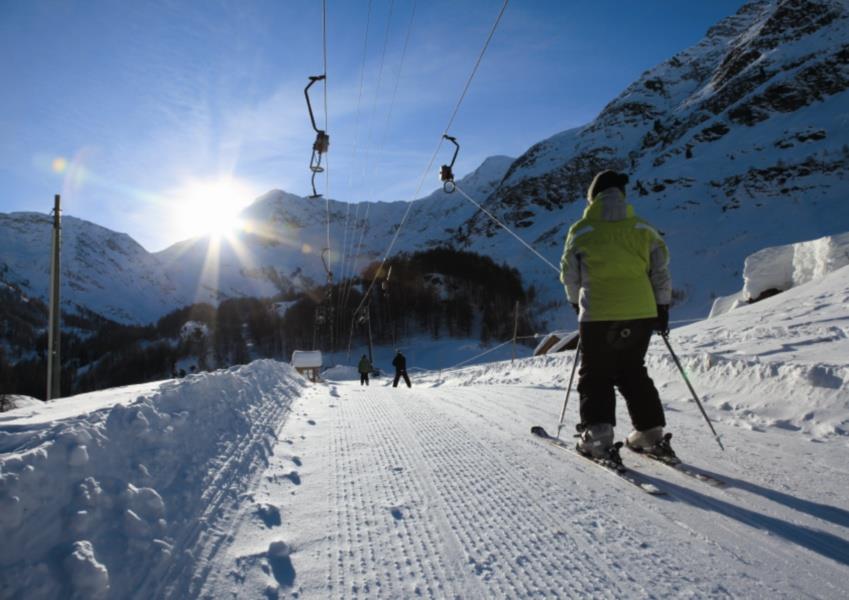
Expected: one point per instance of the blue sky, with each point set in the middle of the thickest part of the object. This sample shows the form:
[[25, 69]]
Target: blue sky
[[140, 112]]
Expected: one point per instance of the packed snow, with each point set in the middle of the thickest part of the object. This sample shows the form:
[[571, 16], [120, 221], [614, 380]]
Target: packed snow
[[253, 482], [110, 494], [782, 267]]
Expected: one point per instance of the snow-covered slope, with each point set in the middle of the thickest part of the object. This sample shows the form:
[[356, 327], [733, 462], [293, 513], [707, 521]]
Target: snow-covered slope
[[253, 483], [782, 362], [737, 143], [790, 350], [102, 270]]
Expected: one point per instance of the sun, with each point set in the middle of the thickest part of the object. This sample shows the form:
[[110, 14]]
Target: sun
[[210, 207]]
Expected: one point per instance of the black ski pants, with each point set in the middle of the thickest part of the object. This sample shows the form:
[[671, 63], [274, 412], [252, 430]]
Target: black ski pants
[[613, 356], [399, 373], [363, 378]]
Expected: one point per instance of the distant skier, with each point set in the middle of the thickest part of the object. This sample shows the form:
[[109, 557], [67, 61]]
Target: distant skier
[[615, 270], [400, 364], [364, 367]]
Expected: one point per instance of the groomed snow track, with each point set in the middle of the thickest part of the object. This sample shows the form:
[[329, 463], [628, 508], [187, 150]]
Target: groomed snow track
[[439, 492]]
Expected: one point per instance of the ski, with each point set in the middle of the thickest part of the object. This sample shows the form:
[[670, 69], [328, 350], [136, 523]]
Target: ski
[[675, 463], [611, 466]]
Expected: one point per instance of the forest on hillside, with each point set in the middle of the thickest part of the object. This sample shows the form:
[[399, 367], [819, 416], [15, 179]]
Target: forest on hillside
[[440, 292]]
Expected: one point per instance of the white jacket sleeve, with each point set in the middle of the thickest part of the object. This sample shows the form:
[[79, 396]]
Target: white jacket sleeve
[[570, 270], [661, 281]]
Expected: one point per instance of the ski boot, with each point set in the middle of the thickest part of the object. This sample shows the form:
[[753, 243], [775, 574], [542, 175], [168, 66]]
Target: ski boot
[[595, 441], [653, 443]]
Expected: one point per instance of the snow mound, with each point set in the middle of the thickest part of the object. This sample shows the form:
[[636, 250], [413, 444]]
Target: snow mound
[[105, 502], [780, 268], [15, 401]]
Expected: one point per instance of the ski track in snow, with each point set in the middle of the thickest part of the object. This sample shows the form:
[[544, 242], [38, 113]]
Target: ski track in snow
[[237, 469], [416, 561], [803, 530], [442, 493]]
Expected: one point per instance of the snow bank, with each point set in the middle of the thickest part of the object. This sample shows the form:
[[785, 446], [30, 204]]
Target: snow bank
[[782, 363], [14, 401], [784, 267], [104, 502]]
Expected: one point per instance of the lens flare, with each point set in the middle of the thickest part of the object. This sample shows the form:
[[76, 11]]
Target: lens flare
[[59, 164], [210, 207]]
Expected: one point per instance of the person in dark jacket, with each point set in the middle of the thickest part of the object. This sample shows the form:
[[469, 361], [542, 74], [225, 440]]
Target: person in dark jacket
[[400, 364], [616, 275], [364, 367]]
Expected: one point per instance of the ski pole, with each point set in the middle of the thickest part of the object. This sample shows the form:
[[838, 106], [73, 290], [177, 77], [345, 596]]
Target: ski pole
[[692, 391], [569, 389]]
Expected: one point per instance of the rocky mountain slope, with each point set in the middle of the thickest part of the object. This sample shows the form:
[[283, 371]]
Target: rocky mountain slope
[[737, 143], [734, 144]]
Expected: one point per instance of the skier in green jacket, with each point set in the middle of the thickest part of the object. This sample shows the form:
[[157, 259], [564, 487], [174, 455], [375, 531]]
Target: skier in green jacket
[[615, 271], [364, 367]]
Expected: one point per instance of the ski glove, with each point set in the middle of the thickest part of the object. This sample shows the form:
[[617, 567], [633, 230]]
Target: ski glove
[[661, 325], [576, 308]]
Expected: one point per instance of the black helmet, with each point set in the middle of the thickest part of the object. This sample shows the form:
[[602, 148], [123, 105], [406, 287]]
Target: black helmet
[[605, 180]]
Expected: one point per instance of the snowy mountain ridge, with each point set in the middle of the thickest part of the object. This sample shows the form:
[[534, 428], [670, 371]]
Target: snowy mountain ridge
[[102, 270], [735, 144]]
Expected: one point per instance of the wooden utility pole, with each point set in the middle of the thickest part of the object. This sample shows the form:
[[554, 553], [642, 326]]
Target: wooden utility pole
[[515, 329], [53, 332]]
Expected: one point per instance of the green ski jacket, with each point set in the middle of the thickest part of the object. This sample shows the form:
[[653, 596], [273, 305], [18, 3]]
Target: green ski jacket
[[615, 265]]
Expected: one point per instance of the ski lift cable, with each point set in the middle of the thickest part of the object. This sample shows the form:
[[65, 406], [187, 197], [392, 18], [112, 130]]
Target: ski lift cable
[[362, 233], [322, 140], [477, 65], [371, 122], [380, 71], [360, 95], [324, 37], [438, 148], [356, 241], [388, 120], [349, 255], [407, 37], [505, 227], [521, 337], [400, 70], [354, 245], [460, 364], [320, 147], [326, 128], [343, 267], [369, 165], [370, 136]]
